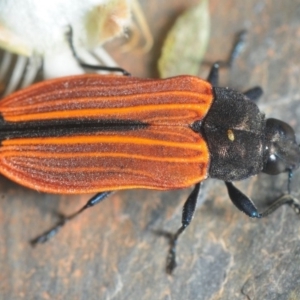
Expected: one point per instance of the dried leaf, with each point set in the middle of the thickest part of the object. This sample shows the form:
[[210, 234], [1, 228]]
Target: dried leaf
[[186, 43]]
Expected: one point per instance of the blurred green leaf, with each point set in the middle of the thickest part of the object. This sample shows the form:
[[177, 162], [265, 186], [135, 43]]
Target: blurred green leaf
[[186, 43]]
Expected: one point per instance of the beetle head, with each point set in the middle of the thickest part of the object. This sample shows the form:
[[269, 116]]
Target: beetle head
[[281, 153]]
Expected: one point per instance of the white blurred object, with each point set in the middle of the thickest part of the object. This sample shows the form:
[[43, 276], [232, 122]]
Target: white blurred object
[[38, 28], [24, 72], [36, 31], [30, 27]]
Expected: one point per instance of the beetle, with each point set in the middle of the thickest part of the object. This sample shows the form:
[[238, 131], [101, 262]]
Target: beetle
[[102, 133]]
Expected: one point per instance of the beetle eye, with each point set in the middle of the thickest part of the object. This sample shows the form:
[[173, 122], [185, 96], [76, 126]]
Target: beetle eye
[[277, 127], [274, 165], [281, 150]]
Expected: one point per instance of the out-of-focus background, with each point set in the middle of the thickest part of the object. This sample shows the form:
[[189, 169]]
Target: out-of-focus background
[[112, 252]]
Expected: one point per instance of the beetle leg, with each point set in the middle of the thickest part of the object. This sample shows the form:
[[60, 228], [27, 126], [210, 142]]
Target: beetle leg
[[238, 46], [254, 93], [241, 201], [88, 66], [285, 199], [187, 216], [213, 76], [245, 204], [103, 68], [53, 231]]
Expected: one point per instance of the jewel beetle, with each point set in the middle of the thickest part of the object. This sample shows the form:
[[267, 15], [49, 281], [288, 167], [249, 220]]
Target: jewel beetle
[[102, 133]]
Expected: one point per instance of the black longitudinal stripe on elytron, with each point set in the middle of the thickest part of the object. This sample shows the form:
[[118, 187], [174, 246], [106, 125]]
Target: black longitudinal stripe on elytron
[[56, 128]]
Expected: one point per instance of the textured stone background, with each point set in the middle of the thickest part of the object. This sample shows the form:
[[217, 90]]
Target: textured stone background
[[111, 252]]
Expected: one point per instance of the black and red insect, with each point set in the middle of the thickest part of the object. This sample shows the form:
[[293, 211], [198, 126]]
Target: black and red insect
[[101, 133]]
